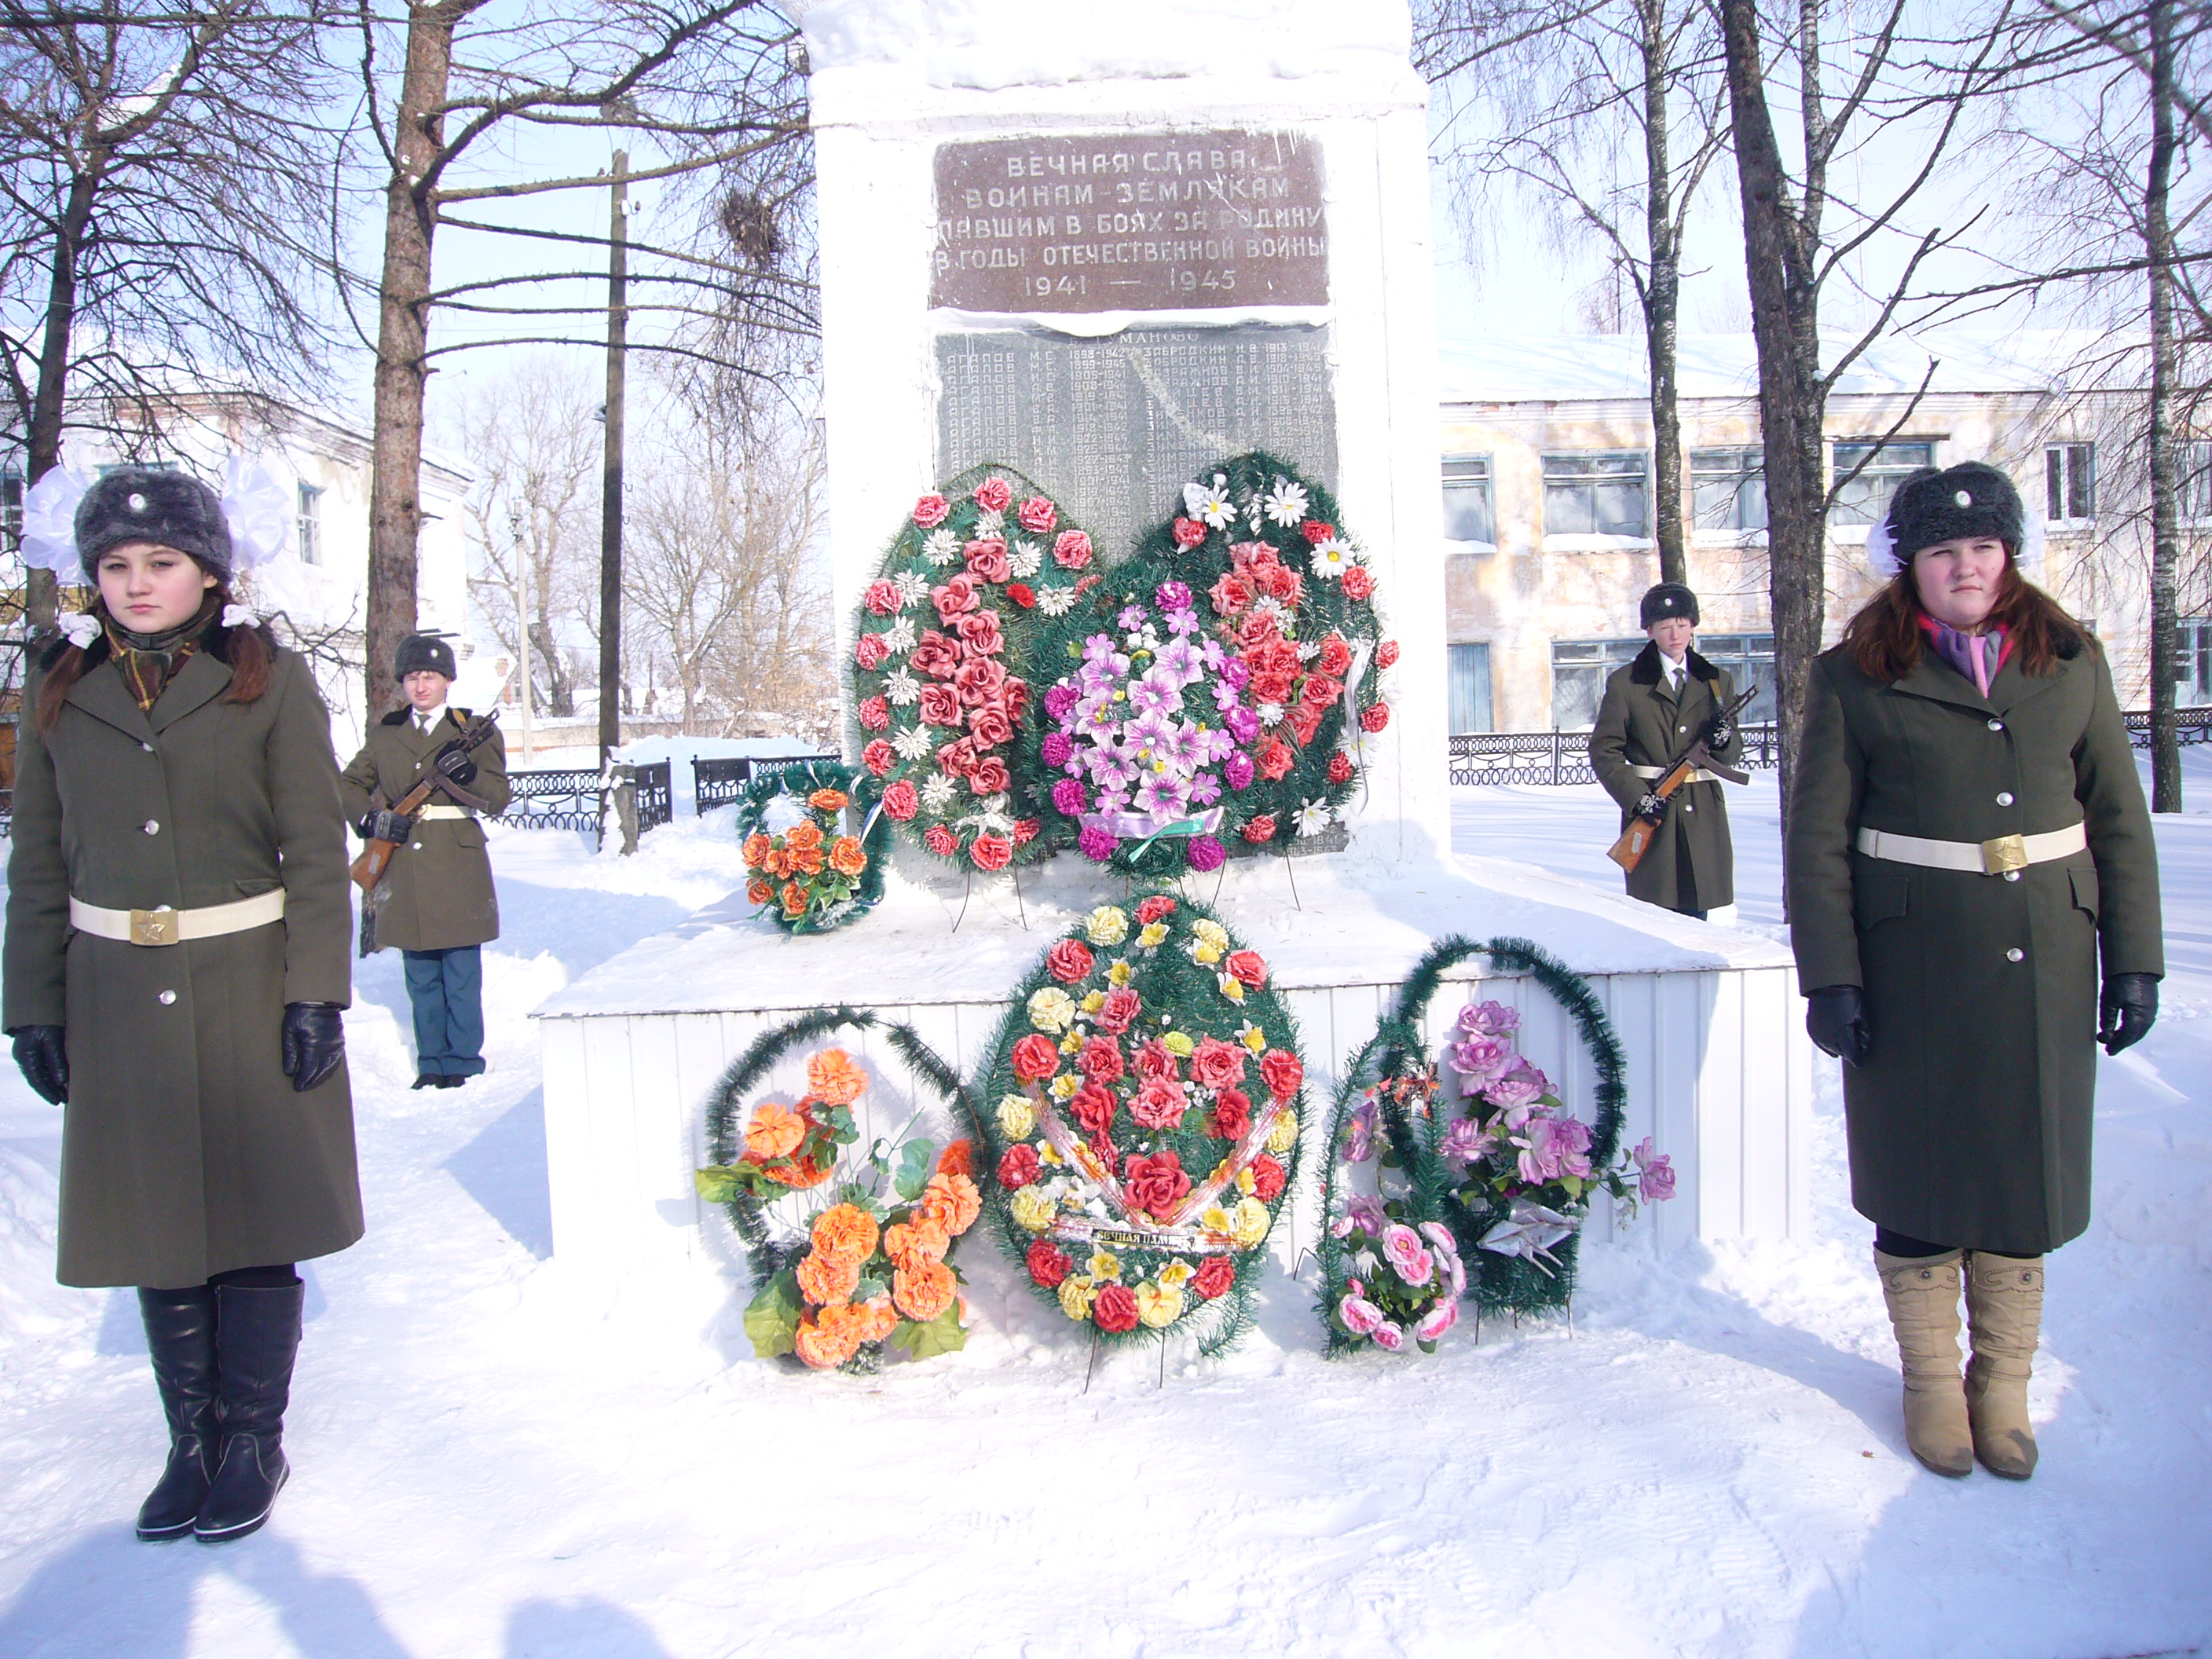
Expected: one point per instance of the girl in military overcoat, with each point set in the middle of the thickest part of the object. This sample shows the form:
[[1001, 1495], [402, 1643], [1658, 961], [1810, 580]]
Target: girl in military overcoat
[[175, 964], [1969, 855], [1654, 709]]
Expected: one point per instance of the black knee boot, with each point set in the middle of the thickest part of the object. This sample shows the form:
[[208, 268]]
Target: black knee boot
[[180, 1338], [256, 1337]]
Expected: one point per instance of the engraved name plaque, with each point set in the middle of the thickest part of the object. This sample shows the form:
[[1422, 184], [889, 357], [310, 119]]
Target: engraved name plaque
[[1131, 222], [1115, 427]]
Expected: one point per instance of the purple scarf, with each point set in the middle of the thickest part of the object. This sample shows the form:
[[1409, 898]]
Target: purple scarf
[[1976, 658]]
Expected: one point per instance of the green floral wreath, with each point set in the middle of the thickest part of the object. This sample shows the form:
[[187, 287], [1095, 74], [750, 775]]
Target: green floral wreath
[[1517, 1259], [902, 1185], [830, 878], [1135, 1170]]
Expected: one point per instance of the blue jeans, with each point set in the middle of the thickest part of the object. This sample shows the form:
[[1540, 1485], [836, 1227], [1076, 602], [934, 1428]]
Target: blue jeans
[[446, 990]]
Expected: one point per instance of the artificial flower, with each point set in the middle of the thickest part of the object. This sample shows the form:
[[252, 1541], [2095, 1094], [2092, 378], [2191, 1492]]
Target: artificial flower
[[1214, 1277], [1047, 1264], [1107, 924], [824, 1280], [774, 1132], [1151, 936], [1069, 961], [1103, 1264], [1033, 1209], [1020, 1166], [1017, 1116], [1248, 1222], [1158, 1305], [1075, 1296], [845, 1232], [923, 1290], [1035, 1057], [834, 1078], [1113, 1308], [993, 494]]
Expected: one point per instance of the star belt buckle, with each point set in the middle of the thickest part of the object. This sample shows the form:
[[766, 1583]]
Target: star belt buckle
[[2003, 854], [155, 927]]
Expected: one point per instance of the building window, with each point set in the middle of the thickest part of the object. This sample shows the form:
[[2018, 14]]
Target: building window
[[1597, 492], [2192, 678], [11, 509], [1467, 668], [1866, 497], [1749, 659], [1580, 669], [1469, 513], [2196, 491], [2069, 481], [311, 524], [1727, 489]]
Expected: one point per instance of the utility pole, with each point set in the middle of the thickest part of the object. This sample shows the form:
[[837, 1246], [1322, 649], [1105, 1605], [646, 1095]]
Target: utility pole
[[611, 494], [521, 621]]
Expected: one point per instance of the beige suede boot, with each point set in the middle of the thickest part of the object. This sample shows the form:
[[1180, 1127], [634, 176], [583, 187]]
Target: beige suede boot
[[1922, 1294], [2004, 1307]]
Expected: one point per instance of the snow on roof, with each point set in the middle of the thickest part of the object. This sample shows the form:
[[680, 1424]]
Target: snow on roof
[[1570, 367]]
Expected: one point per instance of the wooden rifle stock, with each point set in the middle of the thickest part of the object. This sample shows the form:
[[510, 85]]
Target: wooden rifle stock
[[1636, 841]]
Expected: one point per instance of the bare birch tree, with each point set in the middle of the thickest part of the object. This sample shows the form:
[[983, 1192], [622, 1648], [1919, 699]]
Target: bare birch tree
[[166, 218]]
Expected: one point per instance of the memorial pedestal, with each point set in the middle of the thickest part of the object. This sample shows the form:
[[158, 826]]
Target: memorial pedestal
[[1719, 1067]]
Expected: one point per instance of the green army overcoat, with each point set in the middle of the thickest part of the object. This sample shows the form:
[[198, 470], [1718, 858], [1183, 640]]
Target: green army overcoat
[[441, 896], [1969, 1123], [1691, 862], [186, 1151]]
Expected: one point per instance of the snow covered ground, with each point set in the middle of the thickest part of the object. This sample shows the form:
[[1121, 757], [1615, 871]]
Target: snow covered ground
[[1709, 1462]]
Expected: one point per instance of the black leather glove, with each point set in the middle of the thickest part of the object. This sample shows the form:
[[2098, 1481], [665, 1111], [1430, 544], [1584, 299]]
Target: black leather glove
[[1719, 732], [43, 1058], [457, 767], [1652, 807], [2125, 1013], [1836, 1020], [382, 826], [314, 1042]]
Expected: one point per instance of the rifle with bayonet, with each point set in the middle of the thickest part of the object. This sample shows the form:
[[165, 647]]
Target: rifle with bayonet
[[374, 864], [1636, 841]]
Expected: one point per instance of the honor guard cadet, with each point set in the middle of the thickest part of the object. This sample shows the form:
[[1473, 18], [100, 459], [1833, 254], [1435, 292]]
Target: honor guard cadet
[[438, 904], [1664, 704]]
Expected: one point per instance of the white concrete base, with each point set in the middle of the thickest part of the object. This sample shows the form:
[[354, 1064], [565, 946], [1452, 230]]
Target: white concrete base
[[1720, 1070]]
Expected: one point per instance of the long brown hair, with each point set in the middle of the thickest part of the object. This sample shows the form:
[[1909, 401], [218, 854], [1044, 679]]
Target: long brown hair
[[250, 652], [1886, 639]]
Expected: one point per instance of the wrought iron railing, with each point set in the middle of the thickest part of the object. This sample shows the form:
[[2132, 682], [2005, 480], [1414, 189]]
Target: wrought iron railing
[[656, 794], [720, 779], [2191, 726], [562, 798], [1563, 757]]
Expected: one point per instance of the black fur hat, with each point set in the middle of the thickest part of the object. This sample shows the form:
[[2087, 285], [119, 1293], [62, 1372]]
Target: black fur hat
[[152, 504], [1971, 499], [420, 651], [1667, 599]]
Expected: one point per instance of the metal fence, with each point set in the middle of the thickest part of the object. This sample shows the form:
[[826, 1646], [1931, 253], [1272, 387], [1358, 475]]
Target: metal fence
[[563, 798], [656, 794], [1562, 758], [2191, 726], [720, 780]]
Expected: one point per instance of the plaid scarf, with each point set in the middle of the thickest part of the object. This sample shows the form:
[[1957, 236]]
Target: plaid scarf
[[147, 662]]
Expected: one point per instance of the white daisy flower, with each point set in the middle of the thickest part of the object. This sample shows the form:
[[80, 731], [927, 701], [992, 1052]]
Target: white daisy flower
[[1313, 817], [942, 547], [1330, 557], [937, 794], [912, 743], [913, 587], [1269, 713], [1056, 601], [899, 636], [901, 688], [1025, 561], [989, 524], [1272, 608], [1308, 649], [1286, 501], [1211, 501]]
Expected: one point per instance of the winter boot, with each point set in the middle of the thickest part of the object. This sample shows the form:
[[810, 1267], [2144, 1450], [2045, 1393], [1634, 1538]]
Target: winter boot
[[256, 1337], [1922, 1294], [180, 1338], [2004, 1308]]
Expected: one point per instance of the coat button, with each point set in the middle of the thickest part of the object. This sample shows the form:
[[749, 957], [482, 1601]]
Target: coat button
[[1681, 728], [152, 827], [2015, 954], [417, 847], [2011, 875], [148, 747], [1996, 726], [165, 997], [2004, 798]]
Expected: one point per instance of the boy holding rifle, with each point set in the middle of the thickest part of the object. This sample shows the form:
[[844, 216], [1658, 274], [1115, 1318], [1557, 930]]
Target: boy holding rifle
[[425, 876], [1670, 706]]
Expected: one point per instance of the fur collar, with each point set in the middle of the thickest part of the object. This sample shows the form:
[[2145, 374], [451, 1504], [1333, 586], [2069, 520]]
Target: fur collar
[[1645, 670]]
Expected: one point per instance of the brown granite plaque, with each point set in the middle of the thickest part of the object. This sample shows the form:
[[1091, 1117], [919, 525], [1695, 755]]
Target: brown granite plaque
[[1130, 221]]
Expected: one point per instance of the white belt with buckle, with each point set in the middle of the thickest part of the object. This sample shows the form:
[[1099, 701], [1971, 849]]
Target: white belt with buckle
[[168, 925], [434, 812], [1696, 775], [1980, 858]]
